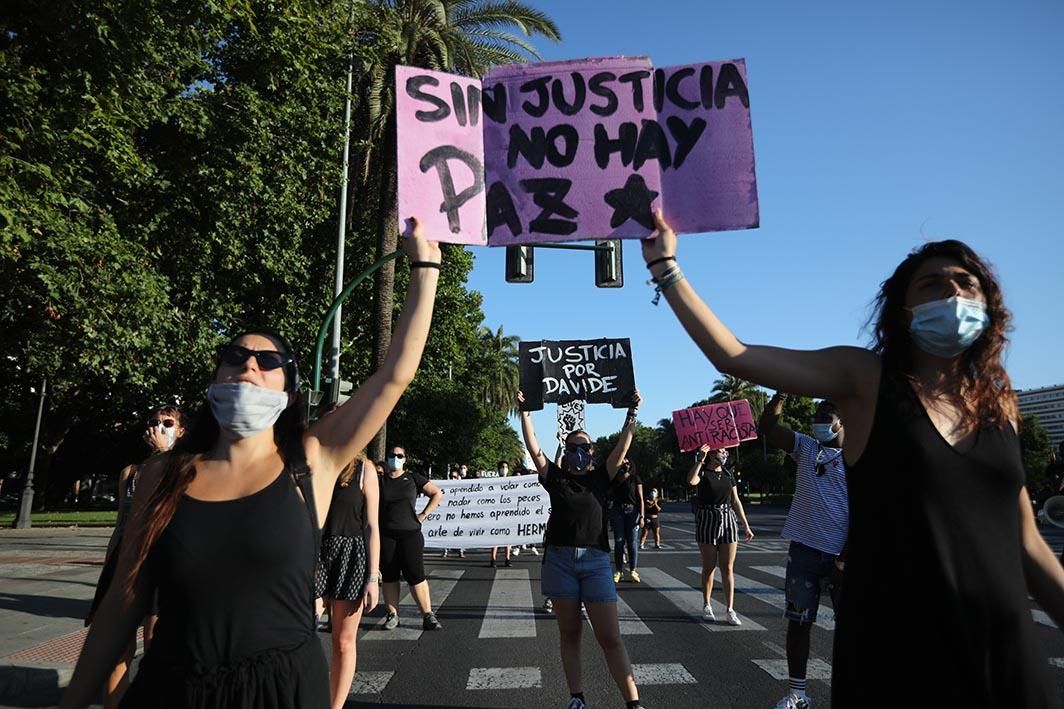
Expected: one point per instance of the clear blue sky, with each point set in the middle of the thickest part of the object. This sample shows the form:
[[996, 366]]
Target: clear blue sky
[[877, 126]]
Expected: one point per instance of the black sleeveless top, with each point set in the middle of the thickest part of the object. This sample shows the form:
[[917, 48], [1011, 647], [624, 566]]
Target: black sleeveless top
[[934, 592], [235, 584], [345, 511]]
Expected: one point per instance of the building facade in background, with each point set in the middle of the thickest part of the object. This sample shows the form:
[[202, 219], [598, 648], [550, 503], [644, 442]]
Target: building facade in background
[[1047, 403]]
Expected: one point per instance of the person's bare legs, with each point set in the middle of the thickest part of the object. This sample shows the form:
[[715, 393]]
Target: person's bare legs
[[709, 563], [603, 617], [345, 616], [420, 592], [390, 591], [570, 628], [726, 558]]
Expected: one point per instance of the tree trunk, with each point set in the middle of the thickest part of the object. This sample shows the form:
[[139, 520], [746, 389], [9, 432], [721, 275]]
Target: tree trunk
[[387, 242]]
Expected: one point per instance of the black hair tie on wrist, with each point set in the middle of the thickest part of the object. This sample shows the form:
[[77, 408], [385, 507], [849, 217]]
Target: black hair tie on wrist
[[663, 259], [425, 264]]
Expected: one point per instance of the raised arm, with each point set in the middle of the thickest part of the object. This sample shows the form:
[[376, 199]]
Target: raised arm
[[337, 438], [769, 426], [624, 441], [839, 373], [696, 470], [529, 433], [115, 622]]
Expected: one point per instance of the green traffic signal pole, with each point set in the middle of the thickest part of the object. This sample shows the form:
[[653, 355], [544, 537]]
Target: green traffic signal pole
[[324, 329]]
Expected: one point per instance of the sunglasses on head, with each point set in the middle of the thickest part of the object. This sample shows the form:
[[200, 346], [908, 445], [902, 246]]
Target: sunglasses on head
[[236, 356], [165, 423]]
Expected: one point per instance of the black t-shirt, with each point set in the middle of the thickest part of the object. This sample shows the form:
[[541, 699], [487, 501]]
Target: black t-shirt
[[577, 508], [715, 489], [624, 492], [345, 510], [652, 506], [397, 495]]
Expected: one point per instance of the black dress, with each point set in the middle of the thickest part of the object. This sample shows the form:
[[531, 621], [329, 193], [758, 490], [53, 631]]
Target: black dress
[[934, 597], [236, 608]]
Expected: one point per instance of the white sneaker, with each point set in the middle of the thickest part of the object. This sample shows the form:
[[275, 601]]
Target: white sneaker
[[535, 551], [707, 614], [793, 701], [733, 617], [515, 551]]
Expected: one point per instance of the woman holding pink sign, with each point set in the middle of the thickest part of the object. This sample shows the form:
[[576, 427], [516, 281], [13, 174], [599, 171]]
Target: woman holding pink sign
[[931, 396], [716, 528]]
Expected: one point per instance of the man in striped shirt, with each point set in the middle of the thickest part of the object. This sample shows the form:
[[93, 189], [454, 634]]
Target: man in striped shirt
[[817, 525]]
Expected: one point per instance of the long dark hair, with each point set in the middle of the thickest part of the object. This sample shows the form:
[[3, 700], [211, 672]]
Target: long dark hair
[[179, 469], [989, 398]]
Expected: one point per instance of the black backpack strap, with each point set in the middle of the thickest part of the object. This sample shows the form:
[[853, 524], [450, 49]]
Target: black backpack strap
[[296, 459]]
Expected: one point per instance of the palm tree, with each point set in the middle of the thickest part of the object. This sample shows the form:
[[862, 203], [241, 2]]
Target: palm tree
[[503, 374], [732, 388], [458, 36]]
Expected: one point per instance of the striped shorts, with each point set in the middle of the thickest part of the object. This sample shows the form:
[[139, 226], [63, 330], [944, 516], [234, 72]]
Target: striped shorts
[[716, 525]]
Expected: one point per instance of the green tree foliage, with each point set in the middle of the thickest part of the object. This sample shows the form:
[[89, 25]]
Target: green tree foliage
[[1037, 452], [169, 175]]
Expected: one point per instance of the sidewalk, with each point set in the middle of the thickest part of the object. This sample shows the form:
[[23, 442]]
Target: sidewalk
[[47, 580]]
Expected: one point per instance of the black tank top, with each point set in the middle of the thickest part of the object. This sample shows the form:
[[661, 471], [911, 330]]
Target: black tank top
[[934, 592], [235, 578], [345, 512]]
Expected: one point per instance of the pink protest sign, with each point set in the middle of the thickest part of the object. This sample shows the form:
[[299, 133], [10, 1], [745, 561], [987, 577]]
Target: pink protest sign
[[440, 151], [723, 425], [588, 149]]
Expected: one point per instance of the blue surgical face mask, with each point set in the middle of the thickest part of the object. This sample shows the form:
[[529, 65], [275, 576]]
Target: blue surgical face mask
[[578, 459], [823, 433], [395, 463], [946, 328], [244, 409]]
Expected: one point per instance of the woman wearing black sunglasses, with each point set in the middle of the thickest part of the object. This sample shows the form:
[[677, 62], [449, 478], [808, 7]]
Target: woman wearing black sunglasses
[[165, 426], [576, 558], [225, 527]]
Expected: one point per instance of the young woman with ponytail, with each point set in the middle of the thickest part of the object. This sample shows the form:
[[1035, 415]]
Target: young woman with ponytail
[[225, 527]]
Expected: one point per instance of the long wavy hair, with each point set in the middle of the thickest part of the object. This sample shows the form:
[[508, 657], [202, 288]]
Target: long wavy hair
[[179, 468], [987, 391]]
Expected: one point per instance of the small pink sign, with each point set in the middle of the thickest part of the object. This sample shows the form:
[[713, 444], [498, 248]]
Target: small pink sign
[[724, 425], [440, 151]]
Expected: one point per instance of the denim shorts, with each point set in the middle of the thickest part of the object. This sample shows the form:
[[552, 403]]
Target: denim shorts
[[808, 572], [579, 573]]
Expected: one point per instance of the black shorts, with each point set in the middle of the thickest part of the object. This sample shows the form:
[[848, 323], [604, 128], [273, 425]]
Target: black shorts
[[341, 569], [651, 523], [403, 553]]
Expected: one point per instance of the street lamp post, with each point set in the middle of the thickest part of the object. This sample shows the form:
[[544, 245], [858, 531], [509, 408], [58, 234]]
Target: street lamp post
[[24, 520]]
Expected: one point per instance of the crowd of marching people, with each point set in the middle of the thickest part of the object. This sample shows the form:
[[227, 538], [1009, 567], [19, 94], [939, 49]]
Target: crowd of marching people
[[247, 514]]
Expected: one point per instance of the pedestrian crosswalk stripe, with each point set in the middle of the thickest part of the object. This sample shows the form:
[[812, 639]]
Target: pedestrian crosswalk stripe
[[509, 613], [441, 583], [630, 622], [1057, 662], [504, 678], [1042, 618], [816, 669], [689, 601], [370, 682], [662, 673]]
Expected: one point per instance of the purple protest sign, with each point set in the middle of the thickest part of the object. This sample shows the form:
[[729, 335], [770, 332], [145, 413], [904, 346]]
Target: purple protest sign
[[724, 425], [563, 161], [440, 149], [578, 150], [710, 185]]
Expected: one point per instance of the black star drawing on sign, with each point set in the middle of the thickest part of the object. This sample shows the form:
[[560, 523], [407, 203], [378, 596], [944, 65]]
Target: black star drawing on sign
[[631, 202]]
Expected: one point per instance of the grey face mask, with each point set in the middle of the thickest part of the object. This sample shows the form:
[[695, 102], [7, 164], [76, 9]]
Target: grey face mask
[[244, 409]]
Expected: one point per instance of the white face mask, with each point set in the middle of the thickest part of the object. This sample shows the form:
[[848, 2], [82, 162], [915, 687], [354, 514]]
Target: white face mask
[[244, 409]]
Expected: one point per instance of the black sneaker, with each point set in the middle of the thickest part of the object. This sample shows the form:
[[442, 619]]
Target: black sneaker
[[429, 622], [492, 564], [509, 563]]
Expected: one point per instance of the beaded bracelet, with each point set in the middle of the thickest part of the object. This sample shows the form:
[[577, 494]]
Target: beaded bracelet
[[665, 282]]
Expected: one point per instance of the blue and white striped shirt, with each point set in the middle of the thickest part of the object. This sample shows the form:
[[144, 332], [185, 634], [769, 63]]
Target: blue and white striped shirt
[[820, 511]]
